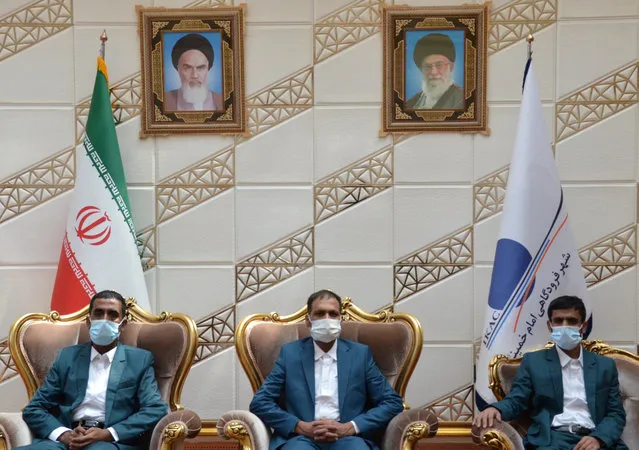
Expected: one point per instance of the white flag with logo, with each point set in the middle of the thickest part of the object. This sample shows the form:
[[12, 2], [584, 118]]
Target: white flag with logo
[[536, 259]]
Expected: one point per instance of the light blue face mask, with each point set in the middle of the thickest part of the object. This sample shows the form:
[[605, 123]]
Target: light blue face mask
[[104, 332], [566, 337]]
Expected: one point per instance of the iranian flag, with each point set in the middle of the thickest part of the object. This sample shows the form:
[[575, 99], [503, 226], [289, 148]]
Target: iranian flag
[[99, 249]]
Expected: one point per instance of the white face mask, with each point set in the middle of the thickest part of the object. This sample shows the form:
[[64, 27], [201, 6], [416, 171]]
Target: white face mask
[[325, 330]]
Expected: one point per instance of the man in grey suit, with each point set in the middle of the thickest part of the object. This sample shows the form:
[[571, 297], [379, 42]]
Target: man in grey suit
[[434, 56]]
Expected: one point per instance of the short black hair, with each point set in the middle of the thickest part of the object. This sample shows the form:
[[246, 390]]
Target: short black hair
[[107, 295], [568, 302], [321, 294]]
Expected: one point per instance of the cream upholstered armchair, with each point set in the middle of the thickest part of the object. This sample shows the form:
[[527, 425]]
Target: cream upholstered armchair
[[36, 339], [395, 340], [509, 435]]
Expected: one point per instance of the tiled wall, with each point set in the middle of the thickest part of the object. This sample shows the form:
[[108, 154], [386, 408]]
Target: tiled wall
[[314, 197]]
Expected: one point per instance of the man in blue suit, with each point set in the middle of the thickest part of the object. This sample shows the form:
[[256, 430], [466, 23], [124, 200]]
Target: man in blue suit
[[572, 395], [101, 395], [324, 392]]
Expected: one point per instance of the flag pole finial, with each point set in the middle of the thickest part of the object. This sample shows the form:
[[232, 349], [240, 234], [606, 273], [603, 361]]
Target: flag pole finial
[[103, 39], [530, 40]]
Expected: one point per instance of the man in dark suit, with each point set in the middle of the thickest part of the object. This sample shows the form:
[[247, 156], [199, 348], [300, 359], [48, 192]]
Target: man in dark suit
[[434, 56], [572, 395], [101, 395], [324, 392]]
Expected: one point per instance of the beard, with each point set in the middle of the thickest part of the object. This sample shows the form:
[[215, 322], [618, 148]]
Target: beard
[[434, 88], [196, 95]]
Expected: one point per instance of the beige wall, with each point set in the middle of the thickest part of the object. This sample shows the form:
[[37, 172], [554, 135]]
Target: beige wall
[[425, 192]]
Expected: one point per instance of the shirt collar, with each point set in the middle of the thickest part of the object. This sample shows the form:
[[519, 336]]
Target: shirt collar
[[319, 352], [110, 354], [564, 359]]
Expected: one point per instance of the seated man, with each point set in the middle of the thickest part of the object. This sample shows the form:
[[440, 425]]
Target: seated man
[[324, 392], [572, 395], [100, 395]]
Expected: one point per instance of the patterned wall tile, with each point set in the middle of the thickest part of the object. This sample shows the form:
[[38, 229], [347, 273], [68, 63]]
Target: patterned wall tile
[[489, 193], [515, 20], [209, 3], [7, 367], [274, 264], [32, 24], [597, 101], [610, 255], [275, 104], [346, 27], [147, 247], [37, 184], [357, 182], [195, 184], [215, 333], [433, 263], [457, 406]]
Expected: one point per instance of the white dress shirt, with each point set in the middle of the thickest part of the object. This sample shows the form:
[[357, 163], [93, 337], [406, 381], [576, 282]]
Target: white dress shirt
[[326, 385], [575, 404], [93, 406]]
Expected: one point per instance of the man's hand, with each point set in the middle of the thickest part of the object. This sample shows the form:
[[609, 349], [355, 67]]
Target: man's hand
[[487, 417], [90, 436], [304, 428], [326, 430], [66, 438], [588, 443]]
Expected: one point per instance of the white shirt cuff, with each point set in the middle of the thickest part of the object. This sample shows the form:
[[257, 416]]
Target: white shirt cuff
[[355, 426], [114, 434], [55, 434]]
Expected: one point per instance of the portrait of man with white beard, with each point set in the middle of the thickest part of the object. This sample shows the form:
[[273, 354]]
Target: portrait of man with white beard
[[193, 57], [434, 55]]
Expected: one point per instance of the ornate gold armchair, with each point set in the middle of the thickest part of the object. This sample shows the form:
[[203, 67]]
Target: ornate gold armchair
[[395, 339], [509, 435], [36, 339]]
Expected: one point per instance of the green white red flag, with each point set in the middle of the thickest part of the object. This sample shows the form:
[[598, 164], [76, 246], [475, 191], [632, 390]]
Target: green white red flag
[[99, 248]]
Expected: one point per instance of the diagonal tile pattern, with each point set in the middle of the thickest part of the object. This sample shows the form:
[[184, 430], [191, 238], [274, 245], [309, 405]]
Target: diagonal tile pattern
[[216, 333], [195, 184], [489, 194], [512, 22], [458, 406], [597, 101], [37, 184], [433, 263], [346, 27], [7, 367], [609, 256], [147, 245], [357, 182], [274, 264], [279, 102], [33, 23]]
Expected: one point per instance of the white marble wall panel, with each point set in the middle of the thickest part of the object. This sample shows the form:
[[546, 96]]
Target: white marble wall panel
[[445, 310], [486, 236], [368, 286], [138, 155], [174, 153], [36, 236], [347, 237], [604, 152], [283, 154], [204, 234], [113, 11], [195, 290], [326, 7], [142, 206], [435, 158], [210, 387], [10, 6], [572, 9], [482, 275], [596, 39], [13, 394], [31, 134], [279, 11], [614, 308]]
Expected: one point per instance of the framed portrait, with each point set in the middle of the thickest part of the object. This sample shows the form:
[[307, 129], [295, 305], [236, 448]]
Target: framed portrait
[[192, 70], [434, 68]]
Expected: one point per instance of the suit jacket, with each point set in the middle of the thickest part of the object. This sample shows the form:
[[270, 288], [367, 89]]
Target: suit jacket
[[453, 98], [288, 393], [174, 101], [133, 401], [538, 389]]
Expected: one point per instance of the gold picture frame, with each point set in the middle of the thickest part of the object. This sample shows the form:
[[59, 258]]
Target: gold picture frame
[[434, 68], [192, 70]]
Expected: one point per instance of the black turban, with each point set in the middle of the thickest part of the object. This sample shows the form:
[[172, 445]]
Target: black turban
[[192, 42], [433, 44]]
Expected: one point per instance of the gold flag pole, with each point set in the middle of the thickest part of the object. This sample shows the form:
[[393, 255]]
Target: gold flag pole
[[103, 39], [530, 40]]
